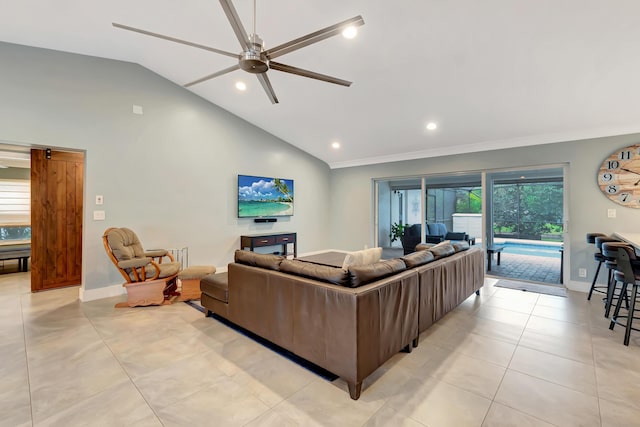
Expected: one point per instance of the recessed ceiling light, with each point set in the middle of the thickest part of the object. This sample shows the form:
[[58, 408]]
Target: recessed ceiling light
[[241, 86], [349, 32], [432, 125], [335, 144]]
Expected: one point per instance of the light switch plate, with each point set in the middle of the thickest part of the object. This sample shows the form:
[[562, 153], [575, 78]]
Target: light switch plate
[[99, 200], [98, 215], [611, 213]]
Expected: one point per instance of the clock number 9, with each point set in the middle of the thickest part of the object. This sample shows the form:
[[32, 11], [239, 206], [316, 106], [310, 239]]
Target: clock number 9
[[613, 164], [612, 189], [625, 155], [607, 176]]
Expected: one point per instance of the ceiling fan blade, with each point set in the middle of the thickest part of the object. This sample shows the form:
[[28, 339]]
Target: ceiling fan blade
[[266, 85], [306, 73], [173, 39], [236, 24], [214, 75], [314, 37]]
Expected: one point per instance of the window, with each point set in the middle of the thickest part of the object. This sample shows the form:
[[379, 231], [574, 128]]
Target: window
[[15, 209]]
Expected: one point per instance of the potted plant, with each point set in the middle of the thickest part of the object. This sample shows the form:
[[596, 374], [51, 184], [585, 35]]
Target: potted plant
[[397, 231]]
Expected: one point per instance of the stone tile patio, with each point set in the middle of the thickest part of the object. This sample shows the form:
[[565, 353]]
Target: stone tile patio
[[523, 267]]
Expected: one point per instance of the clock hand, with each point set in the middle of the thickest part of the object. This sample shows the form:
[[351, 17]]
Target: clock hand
[[629, 170], [637, 182]]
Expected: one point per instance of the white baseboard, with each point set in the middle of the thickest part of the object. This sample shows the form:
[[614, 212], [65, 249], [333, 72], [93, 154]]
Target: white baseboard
[[578, 286], [114, 290], [107, 292]]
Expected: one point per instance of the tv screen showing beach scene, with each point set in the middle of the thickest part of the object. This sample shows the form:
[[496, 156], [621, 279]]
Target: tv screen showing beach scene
[[259, 196]]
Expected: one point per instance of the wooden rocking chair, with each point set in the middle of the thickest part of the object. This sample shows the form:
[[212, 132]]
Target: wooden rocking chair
[[149, 281]]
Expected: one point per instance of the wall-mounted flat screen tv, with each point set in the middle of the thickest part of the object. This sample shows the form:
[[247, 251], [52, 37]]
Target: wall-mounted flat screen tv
[[260, 196]]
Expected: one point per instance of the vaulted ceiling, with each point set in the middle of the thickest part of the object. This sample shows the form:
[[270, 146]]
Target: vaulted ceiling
[[490, 74]]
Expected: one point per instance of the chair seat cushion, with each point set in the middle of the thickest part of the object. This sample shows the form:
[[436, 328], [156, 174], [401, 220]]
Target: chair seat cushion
[[166, 269]]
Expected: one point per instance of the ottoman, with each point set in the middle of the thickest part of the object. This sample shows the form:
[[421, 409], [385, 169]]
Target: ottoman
[[190, 281]]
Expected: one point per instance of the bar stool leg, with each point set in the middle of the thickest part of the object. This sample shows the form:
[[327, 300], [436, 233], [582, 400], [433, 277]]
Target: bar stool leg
[[610, 292], [632, 306], [595, 278], [618, 306]]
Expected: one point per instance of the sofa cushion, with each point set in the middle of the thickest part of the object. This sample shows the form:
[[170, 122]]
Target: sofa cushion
[[424, 246], [216, 286], [268, 261], [363, 257], [460, 246], [324, 273], [363, 274], [417, 258], [442, 250]]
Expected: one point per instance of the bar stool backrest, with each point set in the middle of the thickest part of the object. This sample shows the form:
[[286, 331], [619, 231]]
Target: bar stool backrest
[[610, 251], [625, 256], [600, 240]]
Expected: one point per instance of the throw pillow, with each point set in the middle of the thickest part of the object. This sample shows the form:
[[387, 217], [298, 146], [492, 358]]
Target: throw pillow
[[363, 257]]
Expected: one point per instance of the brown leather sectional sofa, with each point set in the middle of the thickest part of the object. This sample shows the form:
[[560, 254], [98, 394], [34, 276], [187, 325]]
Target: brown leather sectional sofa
[[347, 322]]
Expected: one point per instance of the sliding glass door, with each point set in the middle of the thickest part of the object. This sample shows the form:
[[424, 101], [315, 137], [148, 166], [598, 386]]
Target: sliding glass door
[[525, 223]]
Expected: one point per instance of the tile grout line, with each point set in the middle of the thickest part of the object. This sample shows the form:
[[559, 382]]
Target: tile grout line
[[26, 358], [123, 368]]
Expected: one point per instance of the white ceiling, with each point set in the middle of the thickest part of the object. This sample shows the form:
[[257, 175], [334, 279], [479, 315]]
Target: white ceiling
[[491, 73]]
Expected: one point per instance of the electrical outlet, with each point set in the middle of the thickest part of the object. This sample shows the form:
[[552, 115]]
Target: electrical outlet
[[582, 272], [611, 213]]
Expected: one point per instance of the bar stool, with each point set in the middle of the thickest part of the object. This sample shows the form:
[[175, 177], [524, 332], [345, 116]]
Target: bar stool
[[598, 239], [628, 272], [610, 253]]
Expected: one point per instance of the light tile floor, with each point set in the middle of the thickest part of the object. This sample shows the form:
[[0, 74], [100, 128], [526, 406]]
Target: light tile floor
[[505, 358]]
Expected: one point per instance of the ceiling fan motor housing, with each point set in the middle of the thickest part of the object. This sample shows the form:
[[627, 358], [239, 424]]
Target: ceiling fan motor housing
[[253, 60]]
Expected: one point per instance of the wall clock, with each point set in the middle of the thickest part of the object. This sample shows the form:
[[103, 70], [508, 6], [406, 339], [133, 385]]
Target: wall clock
[[619, 176]]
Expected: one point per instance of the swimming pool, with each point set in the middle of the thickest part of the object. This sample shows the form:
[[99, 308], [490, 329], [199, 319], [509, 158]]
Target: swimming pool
[[531, 249]]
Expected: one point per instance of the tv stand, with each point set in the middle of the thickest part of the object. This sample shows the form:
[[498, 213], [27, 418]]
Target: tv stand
[[252, 241]]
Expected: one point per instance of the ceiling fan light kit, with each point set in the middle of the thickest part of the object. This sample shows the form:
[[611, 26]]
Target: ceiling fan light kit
[[253, 58]]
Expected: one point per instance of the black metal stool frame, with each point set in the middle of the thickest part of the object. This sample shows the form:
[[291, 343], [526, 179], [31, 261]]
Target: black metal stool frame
[[629, 276]]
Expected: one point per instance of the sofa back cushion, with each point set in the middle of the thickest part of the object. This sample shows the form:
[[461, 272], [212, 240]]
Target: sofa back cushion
[[442, 250], [268, 261], [363, 257], [418, 258], [363, 274], [460, 246], [324, 273]]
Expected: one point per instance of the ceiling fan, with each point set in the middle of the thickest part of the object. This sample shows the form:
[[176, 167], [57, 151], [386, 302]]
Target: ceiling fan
[[253, 58]]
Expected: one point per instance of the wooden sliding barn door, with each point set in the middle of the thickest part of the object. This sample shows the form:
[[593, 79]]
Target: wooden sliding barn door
[[56, 219]]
